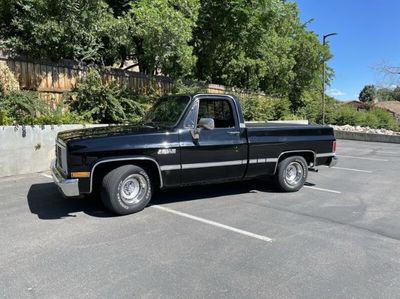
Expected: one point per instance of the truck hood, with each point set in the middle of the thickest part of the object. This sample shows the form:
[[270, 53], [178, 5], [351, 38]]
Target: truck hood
[[107, 131]]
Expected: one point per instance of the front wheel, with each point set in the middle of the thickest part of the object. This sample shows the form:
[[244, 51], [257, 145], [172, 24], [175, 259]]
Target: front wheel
[[126, 190], [292, 174]]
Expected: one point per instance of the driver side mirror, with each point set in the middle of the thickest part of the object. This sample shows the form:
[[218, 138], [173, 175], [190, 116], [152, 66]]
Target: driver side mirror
[[204, 123], [207, 123]]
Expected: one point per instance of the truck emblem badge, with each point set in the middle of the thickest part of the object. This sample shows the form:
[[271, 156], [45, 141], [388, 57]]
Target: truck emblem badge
[[166, 151]]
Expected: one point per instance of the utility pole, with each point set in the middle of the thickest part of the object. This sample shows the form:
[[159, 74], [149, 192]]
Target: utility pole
[[324, 77]]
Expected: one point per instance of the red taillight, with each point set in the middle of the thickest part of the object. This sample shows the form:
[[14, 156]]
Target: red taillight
[[334, 147]]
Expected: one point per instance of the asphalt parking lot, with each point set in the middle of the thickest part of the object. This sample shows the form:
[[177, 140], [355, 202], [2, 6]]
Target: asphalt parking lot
[[337, 238]]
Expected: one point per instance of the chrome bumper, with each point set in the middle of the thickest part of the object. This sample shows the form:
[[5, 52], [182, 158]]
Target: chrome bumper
[[334, 161], [69, 187]]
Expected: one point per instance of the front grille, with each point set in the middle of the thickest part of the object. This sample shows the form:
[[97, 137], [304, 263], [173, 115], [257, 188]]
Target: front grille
[[58, 156], [61, 157]]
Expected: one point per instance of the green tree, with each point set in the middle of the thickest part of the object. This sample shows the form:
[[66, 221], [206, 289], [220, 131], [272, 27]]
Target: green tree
[[309, 56], [396, 93], [160, 31], [83, 30], [258, 45], [119, 7], [384, 94], [367, 94]]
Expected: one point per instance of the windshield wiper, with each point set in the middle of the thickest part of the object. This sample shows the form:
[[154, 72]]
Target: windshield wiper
[[150, 124]]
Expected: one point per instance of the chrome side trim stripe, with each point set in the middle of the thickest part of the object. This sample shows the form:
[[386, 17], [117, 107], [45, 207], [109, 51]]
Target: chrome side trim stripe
[[230, 163], [263, 160], [202, 165], [170, 167], [272, 160], [323, 155], [212, 164], [217, 164]]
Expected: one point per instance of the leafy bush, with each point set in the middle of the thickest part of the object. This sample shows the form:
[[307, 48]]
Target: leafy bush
[[22, 107], [281, 109], [263, 108], [4, 118], [256, 108], [312, 108], [292, 117], [58, 117], [375, 118], [100, 102], [26, 108], [378, 118], [346, 115]]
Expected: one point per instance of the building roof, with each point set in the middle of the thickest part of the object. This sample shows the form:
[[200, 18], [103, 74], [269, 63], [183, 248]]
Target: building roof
[[357, 104], [392, 106]]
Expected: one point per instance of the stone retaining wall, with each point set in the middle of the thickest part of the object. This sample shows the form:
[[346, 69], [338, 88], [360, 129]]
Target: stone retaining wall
[[367, 137]]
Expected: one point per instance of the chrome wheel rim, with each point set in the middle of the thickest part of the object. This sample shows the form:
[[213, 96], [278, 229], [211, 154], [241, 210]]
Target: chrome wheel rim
[[293, 173], [133, 189]]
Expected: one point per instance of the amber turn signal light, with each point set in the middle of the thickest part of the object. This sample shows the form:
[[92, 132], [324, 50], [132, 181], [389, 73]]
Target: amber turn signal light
[[78, 175]]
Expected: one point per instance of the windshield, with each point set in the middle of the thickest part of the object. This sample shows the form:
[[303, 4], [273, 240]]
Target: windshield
[[167, 111]]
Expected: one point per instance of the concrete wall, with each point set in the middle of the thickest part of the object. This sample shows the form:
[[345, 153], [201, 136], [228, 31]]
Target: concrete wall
[[28, 149], [367, 137]]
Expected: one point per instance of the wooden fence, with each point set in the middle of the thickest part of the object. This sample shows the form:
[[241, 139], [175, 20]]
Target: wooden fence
[[52, 80]]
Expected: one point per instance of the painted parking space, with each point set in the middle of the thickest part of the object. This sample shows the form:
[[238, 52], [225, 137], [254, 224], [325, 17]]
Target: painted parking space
[[211, 240]]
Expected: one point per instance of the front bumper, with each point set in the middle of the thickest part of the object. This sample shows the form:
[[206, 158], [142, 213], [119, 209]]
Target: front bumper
[[69, 187], [334, 161]]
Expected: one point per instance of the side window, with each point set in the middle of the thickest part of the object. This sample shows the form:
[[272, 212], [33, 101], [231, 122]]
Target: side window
[[219, 110]]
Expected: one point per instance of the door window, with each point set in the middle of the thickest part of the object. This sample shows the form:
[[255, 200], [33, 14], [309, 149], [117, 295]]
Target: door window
[[219, 110]]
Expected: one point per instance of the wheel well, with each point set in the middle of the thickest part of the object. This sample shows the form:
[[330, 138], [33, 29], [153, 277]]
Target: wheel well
[[102, 169], [308, 156]]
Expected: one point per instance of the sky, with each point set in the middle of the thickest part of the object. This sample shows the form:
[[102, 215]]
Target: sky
[[368, 37]]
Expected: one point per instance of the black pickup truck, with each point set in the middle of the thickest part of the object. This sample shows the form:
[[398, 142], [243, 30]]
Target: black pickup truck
[[186, 140]]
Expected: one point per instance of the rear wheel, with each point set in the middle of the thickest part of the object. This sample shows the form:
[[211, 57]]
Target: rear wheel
[[126, 190], [292, 174]]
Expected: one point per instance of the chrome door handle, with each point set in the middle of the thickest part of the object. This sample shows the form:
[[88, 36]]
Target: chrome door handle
[[233, 132]]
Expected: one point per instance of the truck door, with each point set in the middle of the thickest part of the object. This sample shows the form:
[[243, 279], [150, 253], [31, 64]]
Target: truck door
[[219, 154]]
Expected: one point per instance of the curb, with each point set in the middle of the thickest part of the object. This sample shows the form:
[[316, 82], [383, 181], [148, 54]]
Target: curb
[[367, 137]]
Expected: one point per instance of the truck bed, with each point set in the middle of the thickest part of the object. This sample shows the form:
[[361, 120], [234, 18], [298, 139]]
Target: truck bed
[[287, 129], [274, 139]]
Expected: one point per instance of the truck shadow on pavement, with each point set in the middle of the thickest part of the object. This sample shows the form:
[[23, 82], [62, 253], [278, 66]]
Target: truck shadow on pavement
[[212, 191], [47, 203]]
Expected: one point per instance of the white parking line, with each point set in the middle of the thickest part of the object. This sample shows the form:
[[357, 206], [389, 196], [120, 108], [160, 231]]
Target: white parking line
[[387, 153], [352, 169], [46, 175], [213, 223], [322, 189], [363, 158]]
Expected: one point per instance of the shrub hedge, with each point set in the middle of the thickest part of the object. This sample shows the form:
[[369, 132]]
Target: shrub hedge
[[99, 102], [94, 101]]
